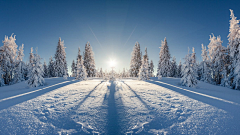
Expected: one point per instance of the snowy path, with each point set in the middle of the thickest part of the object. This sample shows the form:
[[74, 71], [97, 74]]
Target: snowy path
[[121, 107]]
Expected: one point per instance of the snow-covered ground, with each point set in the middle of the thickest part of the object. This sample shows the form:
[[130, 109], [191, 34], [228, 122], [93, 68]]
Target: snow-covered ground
[[124, 106]]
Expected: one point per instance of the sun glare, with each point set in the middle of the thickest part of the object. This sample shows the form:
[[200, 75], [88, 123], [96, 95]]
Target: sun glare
[[112, 63]]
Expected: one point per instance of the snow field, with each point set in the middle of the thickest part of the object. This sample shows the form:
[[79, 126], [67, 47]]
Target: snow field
[[50, 113], [173, 113], [125, 106]]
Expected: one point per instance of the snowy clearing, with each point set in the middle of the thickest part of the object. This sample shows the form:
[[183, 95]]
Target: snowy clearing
[[125, 106]]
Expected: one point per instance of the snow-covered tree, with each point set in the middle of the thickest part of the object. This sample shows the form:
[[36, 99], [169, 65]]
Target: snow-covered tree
[[7, 58], [73, 69], [233, 46], [151, 69], [45, 69], [136, 62], [144, 70], [179, 70], [35, 76], [60, 64], [81, 73], [1, 77], [173, 69], [89, 61], [164, 64], [51, 69], [101, 74], [218, 60], [205, 67], [189, 71], [19, 69]]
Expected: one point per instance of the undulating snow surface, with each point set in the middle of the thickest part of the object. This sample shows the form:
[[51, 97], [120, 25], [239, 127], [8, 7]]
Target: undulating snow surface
[[124, 106]]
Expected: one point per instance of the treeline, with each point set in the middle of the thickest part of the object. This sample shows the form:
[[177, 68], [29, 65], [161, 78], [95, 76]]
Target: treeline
[[14, 70], [219, 66]]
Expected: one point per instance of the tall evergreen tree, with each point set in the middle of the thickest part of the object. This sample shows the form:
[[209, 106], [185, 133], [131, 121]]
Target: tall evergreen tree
[[51, 69], [135, 63], [60, 64], [179, 70], [35, 76], [81, 71], [164, 64], [218, 61], [144, 70], [205, 67], [189, 71], [19, 67], [73, 69], [1, 77], [151, 69], [89, 61], [233, 45], [45, 70], [173, 69], [8, 57]]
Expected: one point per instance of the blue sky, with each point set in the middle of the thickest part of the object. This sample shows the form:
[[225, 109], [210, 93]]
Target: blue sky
[[113, 27]]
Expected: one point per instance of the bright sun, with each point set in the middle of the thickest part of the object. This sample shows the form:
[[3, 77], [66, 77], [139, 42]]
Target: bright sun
[[112, 63]]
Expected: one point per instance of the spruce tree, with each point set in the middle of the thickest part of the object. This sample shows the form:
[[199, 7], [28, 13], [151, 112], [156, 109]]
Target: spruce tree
[[19, 67], [51, 69], [189, 71], [233, 46], [8, 57], [89, 61], [218, 61], [35, 76], [151, 69], [144, 70], [60, 64], [173, 69], [164, 64], [179, 69], [205, 67], [135, 63], [81, 71], [45, 69], [1, 77], [73, 69]]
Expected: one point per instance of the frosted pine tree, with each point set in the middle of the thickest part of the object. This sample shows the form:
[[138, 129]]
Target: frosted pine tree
[[51, 72], [35, 76], [144, 70], [164, 64], [81, 73], [205, 68], [189, 71], [233, 45], [179, 70], [45, 69], [1, 77], [19, 67], [173, 70], [151, 69], [8, 57], [218, 61], [60, 64], [89, 61], [135, 63], [73, 69]]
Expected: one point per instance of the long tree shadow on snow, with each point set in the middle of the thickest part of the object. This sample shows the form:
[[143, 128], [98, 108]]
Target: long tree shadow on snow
[[64, 120], [113, 127], [159, 121], [30, 95], [230, 108]]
